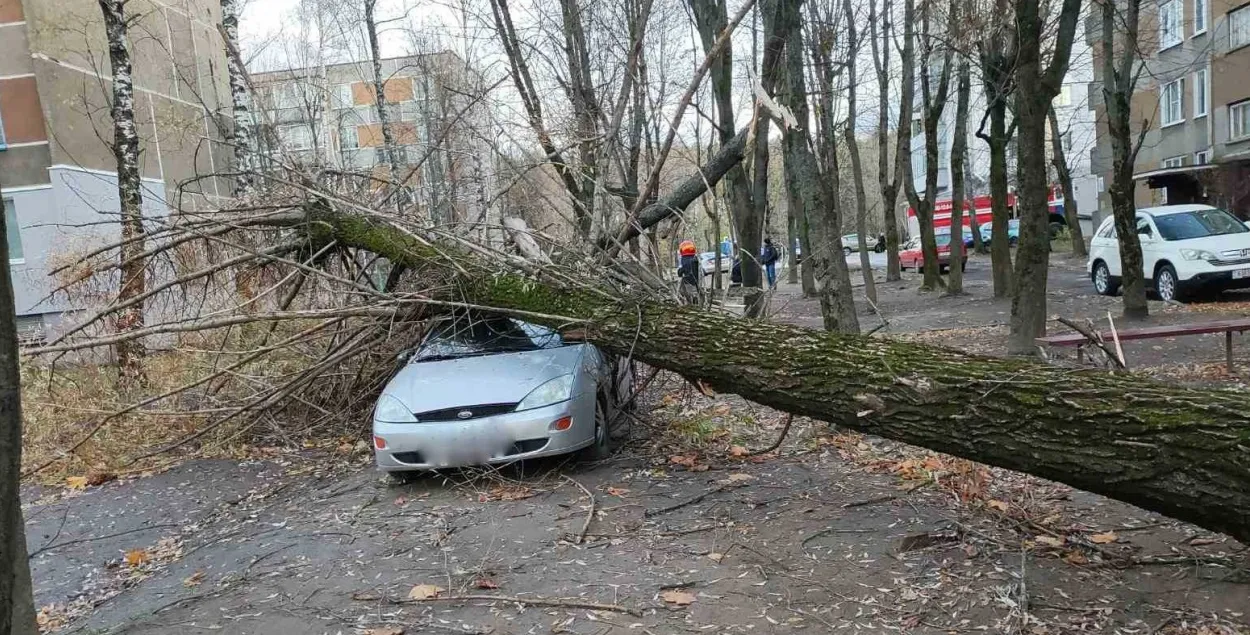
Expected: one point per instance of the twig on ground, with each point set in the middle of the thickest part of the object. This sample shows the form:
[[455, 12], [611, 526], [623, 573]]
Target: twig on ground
[[1094, 338], [120, 533], [690, 501], [777, 563], [780, 438], [870, 501], [590, 513], [834, 530], [552, 602]]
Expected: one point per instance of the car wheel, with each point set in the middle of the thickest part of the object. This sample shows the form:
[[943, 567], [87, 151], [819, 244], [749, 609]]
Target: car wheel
[[846, 251], [1167, 285], [601, 448], [1103, 283]]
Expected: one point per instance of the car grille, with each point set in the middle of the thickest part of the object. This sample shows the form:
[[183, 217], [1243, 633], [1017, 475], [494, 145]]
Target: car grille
[[528, 445], [1226, 261], [458, 413]]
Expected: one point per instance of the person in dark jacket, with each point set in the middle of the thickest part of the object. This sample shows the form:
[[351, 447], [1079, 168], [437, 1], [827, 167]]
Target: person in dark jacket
[[688, 270], [769, 257]]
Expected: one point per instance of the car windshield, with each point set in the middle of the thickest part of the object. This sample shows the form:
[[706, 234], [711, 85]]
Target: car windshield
[[485, 336], [1197, 224]]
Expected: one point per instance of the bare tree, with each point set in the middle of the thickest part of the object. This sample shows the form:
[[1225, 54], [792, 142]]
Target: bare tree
[[1120, 72], [379, 100], [239, 135], [133, 267], [933, 103], [881, 43], [1037, 84], [852, 146], [1059, 159], [996, 53], [959, 152], [17, 609]]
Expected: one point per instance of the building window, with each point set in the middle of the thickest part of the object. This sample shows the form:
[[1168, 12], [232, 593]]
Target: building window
[[1200, 17], [1202, 158], [16, 255], [1239, 28], [1239, 121], [343, 96], [349, 137], [1064, 98], [917, 127], [1174, 162], [1200, 93], [297, 137], [1170, 28], [1065, 141], [1171, 101]]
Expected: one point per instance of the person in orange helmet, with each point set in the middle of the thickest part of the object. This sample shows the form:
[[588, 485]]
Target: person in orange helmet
[[688, 269]]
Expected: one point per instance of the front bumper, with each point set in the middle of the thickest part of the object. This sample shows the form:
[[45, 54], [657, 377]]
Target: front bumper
[[1216, 280], [490, 440]]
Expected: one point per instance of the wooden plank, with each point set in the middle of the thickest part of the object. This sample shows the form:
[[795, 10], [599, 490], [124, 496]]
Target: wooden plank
[[1152, 332]]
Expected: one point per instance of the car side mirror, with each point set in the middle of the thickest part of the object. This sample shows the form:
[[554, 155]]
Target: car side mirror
[[403, 356]]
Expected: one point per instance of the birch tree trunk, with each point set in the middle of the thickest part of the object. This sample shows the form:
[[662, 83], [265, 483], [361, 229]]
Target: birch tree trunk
[[852, 146], [17, 608], [389, 148], [1036, 87], [240, 135], [959, 150], [1059, 158], [129, 190], [1119, 83]]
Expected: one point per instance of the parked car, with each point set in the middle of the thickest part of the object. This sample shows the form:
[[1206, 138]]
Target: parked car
[[851, 243], [487, 390], [1185, 248], [707, 263], [968, 241], [910, 256], [1013, 232]]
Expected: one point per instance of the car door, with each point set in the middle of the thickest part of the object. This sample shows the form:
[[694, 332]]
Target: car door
[[1105, 246], [1148, 236]]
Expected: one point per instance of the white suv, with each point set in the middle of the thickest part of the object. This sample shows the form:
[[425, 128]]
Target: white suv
[[1184, 248]]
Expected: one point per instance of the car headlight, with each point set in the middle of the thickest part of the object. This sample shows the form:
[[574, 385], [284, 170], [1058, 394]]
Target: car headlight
[[552, 391], [1197, 254], [392, 410]]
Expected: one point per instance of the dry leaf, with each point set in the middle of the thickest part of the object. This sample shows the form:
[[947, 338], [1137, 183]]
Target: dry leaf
[[737, 479], [136, 557], [721, 410], [1104, 539], [687, 460], [424, 592], [738, 450], [1198, 542], [1049, 541], [194, 580], [485, 584], [715, 557], [680, 598], [999, 505], [1076, 557], [385, 630], [95, 479], [617, 491], [400, 500], [76, 482]]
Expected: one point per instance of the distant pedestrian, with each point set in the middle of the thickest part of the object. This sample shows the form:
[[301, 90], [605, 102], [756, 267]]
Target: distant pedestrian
[[769, 257], [688, 271]]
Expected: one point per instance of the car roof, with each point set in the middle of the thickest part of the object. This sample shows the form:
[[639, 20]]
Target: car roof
[[1164, 210]]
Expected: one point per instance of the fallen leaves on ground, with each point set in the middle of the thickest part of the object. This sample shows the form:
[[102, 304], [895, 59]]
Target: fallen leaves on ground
[[136, 557], [737, 479], [619, 492], [507, 493], [715, 557], [1104, 539], [424, 592], [76, 482], [738, 451], [1048, 541], [680, 598], [385, 630], [194, 580], [485, 584], [1001, 506]]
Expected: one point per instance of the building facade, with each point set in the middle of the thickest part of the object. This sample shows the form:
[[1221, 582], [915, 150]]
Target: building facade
[[1194, 99], [57, 171]]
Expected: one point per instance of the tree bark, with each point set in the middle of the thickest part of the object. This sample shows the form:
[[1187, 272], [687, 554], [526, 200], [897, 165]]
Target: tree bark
[[240, 133], [1178, 451], [816, 192], [581, 92], [889, 186], [852, 146], [129, 190], [1119, 82], [932, 106], [792, 238], [959, 150], [996, 56], [379, 101], [17, 608], [1059, 159], [1036, 87]]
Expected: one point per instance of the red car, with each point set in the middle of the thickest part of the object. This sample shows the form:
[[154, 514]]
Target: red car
[[911, 257]]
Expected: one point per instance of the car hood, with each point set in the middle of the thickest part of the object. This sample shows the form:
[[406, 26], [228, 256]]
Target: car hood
[[484, 379], [1215, 243]]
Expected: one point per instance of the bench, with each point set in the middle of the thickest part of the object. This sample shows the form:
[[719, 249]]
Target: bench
[[1227, 327]]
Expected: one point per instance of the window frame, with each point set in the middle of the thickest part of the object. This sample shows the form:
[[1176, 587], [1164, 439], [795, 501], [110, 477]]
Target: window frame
[[344, 96], [1164, 103], [1201, 7], [1244, 14], [1175, 8], [1177, 161], [1203, 93], [1242, 106], [13, 230], [289, 148], [1202, 157]]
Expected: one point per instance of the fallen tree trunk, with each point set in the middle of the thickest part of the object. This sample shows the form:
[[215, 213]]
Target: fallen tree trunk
[[1180, 451]]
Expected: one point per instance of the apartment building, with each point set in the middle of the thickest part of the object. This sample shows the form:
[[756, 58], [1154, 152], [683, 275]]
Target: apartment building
[[1194, 97], [326, 115], [57, 172]]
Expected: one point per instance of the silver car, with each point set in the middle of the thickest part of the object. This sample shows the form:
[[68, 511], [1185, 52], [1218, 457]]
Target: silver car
[[489, 390]]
